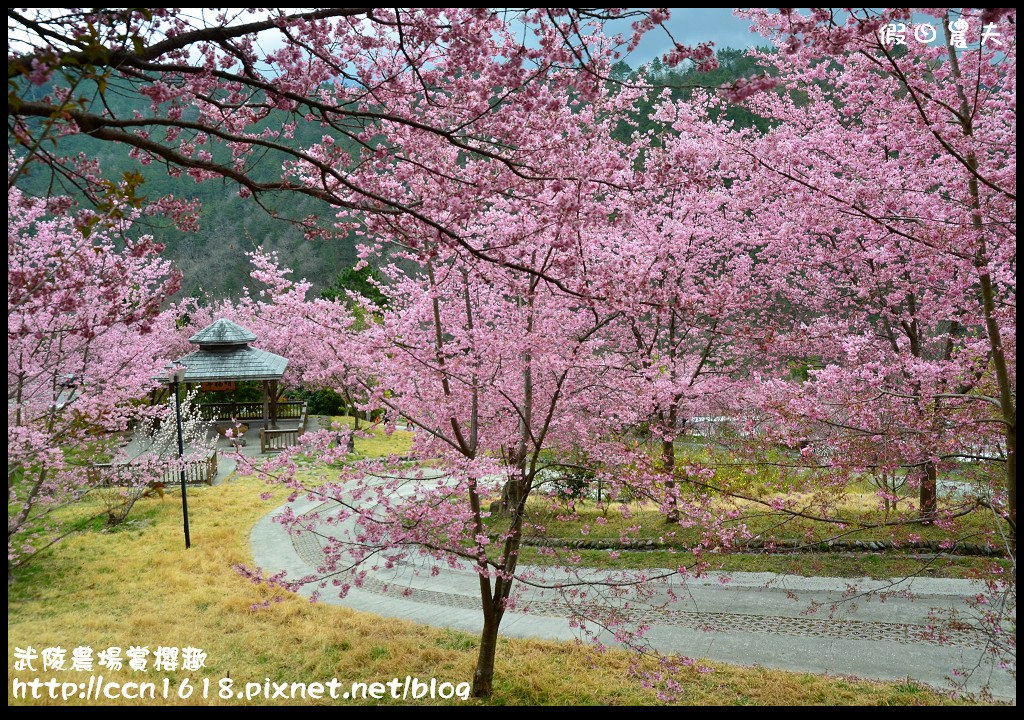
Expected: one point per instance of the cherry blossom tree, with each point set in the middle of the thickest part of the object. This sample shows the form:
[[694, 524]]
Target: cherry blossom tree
[[492, 366], [687, 285], [885, 200], [500, 369], [80, 351], [155, 454], [507, 369]]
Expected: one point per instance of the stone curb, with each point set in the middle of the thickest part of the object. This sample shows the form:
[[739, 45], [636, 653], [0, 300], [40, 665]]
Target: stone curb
[[776, 546]]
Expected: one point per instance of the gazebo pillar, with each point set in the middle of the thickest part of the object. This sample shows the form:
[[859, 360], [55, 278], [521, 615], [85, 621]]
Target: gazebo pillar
[[266, 403], [273, 404]]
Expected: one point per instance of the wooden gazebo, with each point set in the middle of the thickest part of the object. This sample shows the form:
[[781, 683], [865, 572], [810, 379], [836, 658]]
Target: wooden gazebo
[[225, 356]]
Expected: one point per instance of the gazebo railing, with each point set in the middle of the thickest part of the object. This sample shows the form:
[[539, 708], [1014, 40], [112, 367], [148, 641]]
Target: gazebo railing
[[287, 410], [197, 472]]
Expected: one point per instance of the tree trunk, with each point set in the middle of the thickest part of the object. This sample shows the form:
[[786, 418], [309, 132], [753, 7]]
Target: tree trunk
[[494, 605], [929, 493], [1011, 479], [511, 494], [668, 456], [1007, 393], [483, 676], [668, 447]]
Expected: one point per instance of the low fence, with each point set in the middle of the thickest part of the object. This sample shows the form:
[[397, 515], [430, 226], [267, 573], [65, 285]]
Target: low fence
[[278, 440], [288, 410], [197, 472]]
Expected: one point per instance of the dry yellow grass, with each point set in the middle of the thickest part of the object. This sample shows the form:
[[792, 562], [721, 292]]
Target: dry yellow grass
[[139, 586]]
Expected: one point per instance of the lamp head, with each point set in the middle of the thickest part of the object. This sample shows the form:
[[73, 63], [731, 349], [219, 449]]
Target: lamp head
[[175, 373]]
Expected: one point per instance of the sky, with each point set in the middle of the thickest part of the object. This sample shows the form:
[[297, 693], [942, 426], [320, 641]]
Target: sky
[[691, 26], [688, 26]]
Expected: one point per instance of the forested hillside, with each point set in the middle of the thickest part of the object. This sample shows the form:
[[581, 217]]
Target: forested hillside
[[228, 225]]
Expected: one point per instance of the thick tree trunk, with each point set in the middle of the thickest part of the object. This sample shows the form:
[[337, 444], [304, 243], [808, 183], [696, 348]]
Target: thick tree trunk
[[668, 447], [483, 676], [511, 494], [494, 605]]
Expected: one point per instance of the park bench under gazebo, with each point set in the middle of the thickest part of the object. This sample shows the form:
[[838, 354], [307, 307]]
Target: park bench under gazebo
[[224, 357]]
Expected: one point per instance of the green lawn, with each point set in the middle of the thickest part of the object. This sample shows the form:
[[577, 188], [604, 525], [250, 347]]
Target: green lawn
[[560, 528], [379, 443], [873, 565]]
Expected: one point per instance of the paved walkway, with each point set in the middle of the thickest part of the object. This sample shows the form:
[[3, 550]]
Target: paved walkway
[[754, 619]]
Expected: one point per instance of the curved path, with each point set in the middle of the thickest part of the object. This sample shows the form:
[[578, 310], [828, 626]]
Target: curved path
[[754, 619]]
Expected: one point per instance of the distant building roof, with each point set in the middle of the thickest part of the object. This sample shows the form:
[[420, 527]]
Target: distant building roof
[[224, 354], [222, 332]]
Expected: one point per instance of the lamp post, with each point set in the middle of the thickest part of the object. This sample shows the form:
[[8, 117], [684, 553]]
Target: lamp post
[[176, 374]]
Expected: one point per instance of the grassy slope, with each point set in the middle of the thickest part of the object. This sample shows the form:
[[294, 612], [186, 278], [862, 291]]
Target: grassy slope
[[857, 507], [851, 565], [646, 523], [138, 586]]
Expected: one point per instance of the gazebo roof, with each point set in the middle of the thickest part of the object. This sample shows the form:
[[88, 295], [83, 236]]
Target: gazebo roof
[[222, 332], [224, 354], [242, 363]]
